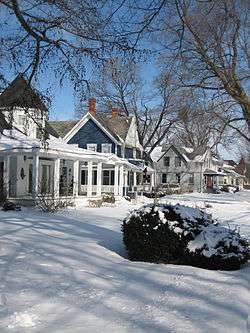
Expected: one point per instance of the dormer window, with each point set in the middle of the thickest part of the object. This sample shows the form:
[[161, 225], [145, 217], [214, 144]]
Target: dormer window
[[106, 148]]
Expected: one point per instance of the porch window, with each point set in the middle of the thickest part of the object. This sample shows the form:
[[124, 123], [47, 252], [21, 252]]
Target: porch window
[[177, 161], [46, 179], [108, 177], [106, 148], [92, 146], [84, 177], [164, 178], [166, 161]]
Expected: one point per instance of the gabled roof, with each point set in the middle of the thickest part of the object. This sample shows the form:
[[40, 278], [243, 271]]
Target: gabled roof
[[50, 130], [62, 127], [116, 127], [187, 154], [19, 93]]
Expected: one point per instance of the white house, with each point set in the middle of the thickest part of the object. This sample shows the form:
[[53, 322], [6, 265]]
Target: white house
[[34, 160]]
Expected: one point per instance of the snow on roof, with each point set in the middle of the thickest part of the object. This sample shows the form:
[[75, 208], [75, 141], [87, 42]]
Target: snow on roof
[[156, 153], [13, 139]]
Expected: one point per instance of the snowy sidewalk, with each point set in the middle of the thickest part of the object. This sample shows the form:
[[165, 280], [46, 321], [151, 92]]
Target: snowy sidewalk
[[68, 272]]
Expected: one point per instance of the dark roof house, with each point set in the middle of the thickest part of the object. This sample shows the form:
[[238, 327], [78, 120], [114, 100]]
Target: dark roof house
[[20, 94]]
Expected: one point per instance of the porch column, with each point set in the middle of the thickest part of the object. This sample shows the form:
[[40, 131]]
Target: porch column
[[135, 179], [35, 175], [116, 184], [126, 182], [57, 177], [152, 180], [121, 183], [99, 179], [89, 188], [75, 178], [6, 175]]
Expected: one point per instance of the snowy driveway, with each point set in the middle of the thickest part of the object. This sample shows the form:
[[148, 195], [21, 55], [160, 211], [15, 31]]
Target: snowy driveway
[[69, 273]]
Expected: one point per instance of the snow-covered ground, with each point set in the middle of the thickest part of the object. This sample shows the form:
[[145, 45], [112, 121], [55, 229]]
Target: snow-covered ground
[[68, 272]]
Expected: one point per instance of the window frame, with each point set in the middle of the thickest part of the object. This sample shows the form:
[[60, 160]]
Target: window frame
[[94, 145], [164, 175], [109, 145], [178, 177], [165, 159], [177, 164], [110, 177], [24, 119]]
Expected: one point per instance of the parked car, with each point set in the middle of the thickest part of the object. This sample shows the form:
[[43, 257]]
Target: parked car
[[230, 188]]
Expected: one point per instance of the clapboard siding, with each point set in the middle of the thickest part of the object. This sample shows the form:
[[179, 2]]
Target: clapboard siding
[[91, 133]]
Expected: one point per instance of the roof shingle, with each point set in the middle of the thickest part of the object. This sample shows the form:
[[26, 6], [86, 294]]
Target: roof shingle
[[20, 93]]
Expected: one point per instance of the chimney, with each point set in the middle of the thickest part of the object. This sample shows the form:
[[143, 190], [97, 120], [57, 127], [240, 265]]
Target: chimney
[[92, 106], [115, 112]]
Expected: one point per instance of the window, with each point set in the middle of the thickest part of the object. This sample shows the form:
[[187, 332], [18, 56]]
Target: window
[[164, 178], [106, 148], [167, 161], [92, 146], [178, 178], [46, 179], [177, 161], [191, 179], [39, 133], [84, 177], [108, 177], [22, 120]]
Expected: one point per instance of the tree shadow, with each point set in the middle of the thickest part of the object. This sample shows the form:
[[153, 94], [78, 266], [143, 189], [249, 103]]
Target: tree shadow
[[73, 273]]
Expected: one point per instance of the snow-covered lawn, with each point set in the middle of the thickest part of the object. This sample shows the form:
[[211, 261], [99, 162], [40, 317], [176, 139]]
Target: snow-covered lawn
[[68, 272]]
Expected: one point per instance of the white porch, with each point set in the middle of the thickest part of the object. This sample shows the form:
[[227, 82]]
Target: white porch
[[28, 169]]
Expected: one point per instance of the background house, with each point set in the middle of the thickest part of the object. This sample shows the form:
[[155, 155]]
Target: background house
[[186, 168]]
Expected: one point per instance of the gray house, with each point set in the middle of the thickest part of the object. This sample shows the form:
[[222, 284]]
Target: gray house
[[185, 168]]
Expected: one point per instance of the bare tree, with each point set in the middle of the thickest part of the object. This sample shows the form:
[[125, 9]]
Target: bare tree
[[62, 35], [155, 105], [210, 42]]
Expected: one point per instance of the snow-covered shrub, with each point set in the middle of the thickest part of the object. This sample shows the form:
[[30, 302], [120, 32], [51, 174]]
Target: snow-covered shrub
[[218, 247], [109, 198], [174, 234], [160, 233]]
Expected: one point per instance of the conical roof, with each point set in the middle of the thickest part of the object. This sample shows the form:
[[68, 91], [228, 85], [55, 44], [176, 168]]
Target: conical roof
[[20, 93]]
